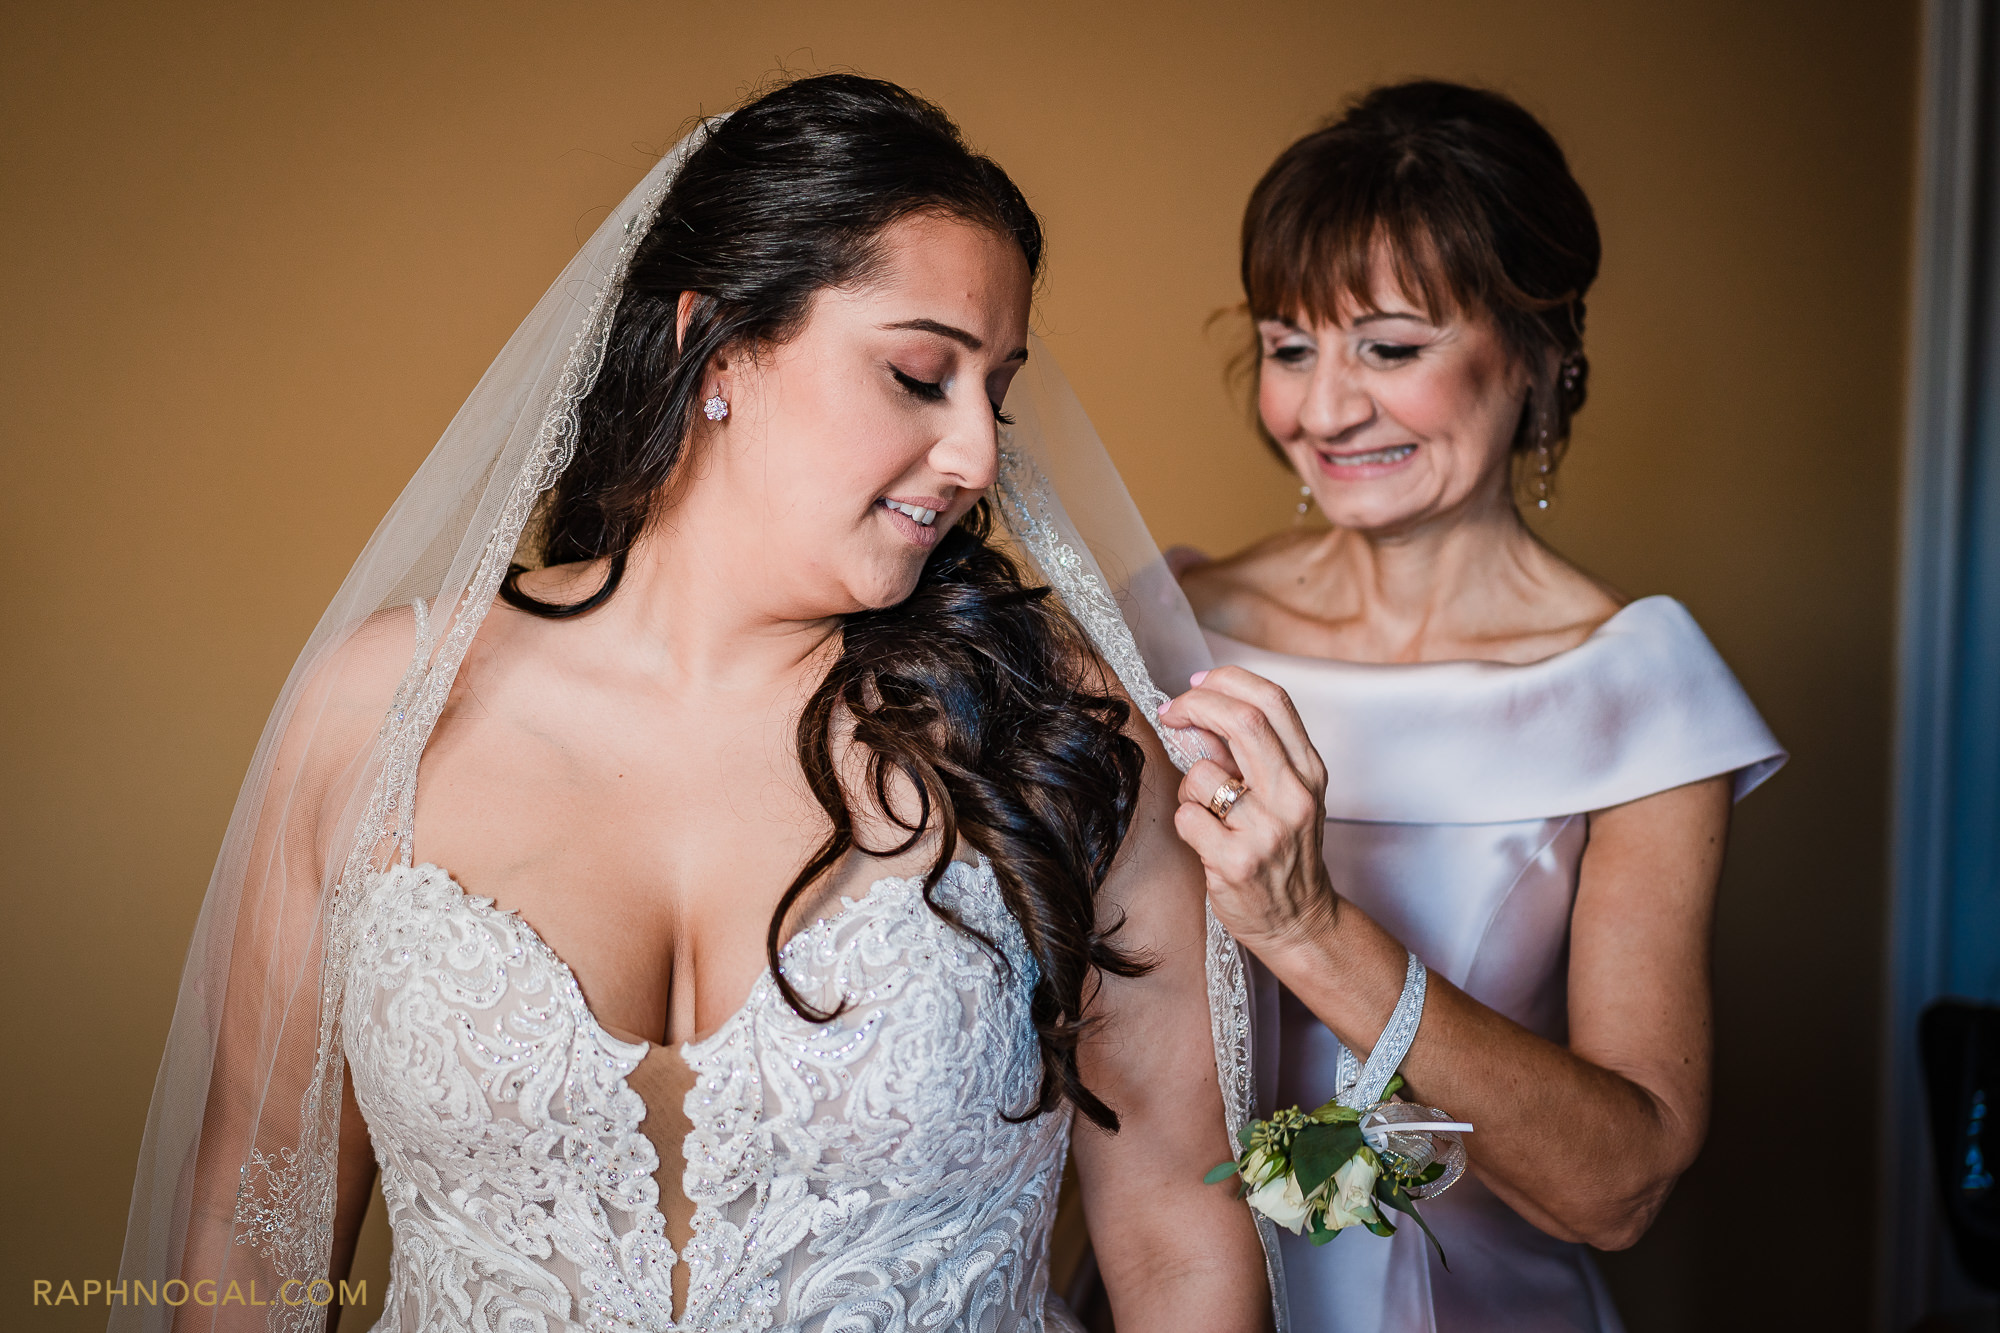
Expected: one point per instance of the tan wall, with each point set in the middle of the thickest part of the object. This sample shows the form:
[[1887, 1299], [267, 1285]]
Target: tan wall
[[255, 255]]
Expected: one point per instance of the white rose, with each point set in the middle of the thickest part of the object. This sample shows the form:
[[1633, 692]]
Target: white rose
[[1258, 1166], [1281, 1201], [1354, 1192]]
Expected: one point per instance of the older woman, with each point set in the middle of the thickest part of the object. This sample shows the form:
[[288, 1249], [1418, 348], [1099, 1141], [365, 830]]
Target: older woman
[[1452, 744]]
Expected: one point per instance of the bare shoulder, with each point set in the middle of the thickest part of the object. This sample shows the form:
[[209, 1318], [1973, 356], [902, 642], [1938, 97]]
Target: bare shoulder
[[361, 672], [333, 711], [1236, 593], [1560, 606], [345, 695], [1156, 885]]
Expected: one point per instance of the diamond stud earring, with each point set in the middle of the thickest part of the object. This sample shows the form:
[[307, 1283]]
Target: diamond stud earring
[[716, 408]]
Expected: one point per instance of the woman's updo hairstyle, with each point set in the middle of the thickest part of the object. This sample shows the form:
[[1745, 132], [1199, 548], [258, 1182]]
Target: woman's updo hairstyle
[[980, 691], [1475, 205]]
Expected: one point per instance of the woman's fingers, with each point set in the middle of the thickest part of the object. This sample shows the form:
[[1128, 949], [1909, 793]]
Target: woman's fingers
[[1208, 745], [1204, 835], [1260, 821], [1200, 783], [1250, 865], [1270, 699], [1253, 743], [1262, 857]]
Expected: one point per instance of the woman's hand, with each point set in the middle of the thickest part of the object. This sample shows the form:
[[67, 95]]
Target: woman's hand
[[1584, 1140], [1267, 879]]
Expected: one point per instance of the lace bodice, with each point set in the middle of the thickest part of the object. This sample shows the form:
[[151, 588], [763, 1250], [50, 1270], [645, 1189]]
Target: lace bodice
[[854, 1175]]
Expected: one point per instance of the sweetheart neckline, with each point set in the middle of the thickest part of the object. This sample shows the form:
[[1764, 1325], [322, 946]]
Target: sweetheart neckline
[[652, 1217], [763, 980]]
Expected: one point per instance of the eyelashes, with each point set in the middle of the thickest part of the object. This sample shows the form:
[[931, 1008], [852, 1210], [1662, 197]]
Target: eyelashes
[[1388, 354], [929, 391], [1394, 353]]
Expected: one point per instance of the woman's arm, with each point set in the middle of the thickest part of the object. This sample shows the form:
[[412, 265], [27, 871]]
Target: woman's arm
[[355, 1188], [1174, 1253], [265, 1035], [1585, 1141]]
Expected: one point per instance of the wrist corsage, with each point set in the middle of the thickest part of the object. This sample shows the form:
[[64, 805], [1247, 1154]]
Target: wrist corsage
[[1318, 1173]]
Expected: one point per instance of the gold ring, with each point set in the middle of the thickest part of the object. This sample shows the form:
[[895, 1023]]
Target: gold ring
[[1226, 796]]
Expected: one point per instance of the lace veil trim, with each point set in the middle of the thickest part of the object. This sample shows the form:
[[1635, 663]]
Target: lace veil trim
[[1035, 518], [285, 1202]]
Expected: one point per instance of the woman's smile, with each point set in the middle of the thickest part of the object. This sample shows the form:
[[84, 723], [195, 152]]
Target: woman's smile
[[915, 517], [1364, 464]]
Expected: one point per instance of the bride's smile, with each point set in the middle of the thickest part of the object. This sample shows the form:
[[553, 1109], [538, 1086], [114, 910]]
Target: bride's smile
[[883, 407], [918, 517]]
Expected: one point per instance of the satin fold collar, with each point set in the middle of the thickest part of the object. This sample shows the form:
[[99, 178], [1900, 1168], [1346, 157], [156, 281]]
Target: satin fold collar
[[1644, 704]]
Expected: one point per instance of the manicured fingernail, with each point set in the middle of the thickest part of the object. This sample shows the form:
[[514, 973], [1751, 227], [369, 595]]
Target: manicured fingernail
[[1161, 711], [1197, 677]]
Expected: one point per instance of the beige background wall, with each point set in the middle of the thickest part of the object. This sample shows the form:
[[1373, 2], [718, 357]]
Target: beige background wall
[[254, 255]]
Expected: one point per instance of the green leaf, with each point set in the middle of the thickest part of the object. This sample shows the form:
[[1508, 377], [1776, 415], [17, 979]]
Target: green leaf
[[1430, 1173], [1403, 1203], [1382, 1228], [1243, 1135], [1219, 1173], [1321, 1150], [1320, 1235]]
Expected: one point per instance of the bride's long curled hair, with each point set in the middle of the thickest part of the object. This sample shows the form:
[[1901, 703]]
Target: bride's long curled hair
[[978, 690]]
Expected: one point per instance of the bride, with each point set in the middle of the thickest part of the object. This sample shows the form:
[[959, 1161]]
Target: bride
[[692, 862]]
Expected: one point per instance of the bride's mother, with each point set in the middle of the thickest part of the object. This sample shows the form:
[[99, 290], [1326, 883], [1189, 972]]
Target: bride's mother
[[1452, 741]]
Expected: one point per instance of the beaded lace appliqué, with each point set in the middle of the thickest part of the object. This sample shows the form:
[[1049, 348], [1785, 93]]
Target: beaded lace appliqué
[[859, 1174], [519, 1186]]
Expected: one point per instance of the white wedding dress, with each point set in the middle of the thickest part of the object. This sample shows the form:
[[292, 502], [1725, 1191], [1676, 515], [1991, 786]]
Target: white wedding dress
[[861, 1174]]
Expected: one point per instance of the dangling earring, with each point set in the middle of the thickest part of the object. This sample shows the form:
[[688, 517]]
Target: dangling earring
[[1570, 378], [1305, 505], [716, 408], [1543, 486]]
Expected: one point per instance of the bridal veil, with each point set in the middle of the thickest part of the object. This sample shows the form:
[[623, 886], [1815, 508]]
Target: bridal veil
[[237, 1177]]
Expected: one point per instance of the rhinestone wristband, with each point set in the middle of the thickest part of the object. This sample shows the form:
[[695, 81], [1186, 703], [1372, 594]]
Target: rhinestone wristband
[[1360, 1086]]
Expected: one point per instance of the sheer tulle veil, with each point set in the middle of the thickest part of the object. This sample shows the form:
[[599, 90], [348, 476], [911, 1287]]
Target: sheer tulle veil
[[237, 1172]]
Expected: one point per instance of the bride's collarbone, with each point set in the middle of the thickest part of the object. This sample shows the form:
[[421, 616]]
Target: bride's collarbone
[[648, 846]]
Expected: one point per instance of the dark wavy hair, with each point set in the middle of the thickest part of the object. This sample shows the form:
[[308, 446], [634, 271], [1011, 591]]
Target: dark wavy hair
[[1479, 213], [979, 689]]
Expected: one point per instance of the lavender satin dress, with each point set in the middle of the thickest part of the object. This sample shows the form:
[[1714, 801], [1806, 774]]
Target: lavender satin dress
[[1456, 816]]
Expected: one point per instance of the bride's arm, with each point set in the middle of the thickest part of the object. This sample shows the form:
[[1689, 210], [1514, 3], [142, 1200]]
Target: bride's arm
[[259, 977], [1174, 1253]]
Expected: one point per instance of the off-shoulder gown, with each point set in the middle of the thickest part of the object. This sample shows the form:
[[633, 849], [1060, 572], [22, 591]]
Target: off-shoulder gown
[[1457, 804]]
